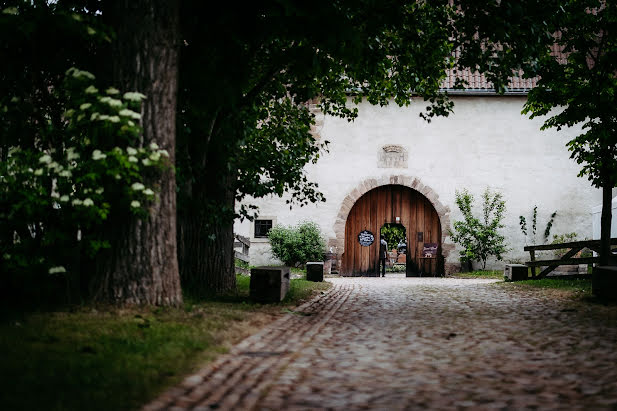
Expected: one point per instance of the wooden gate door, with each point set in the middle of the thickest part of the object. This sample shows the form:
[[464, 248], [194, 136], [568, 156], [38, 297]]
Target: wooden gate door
[[380, 206]]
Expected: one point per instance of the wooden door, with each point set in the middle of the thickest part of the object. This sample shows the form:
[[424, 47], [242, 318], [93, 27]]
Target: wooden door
[[380, 206]]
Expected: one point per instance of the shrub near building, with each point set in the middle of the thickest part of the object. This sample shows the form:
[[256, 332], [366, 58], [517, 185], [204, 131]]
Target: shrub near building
[[295, 245]]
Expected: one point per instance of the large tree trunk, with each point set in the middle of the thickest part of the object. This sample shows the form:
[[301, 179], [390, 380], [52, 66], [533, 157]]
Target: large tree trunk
[[605, 223], [143, 265], [205, 226]]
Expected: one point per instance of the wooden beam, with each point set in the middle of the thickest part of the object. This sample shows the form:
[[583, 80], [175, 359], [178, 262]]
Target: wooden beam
[[586, 260], [565, 257], [573, 244], [532, 257]]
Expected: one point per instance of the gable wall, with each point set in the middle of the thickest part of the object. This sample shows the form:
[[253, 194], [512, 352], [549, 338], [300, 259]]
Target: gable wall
[[485, 143]]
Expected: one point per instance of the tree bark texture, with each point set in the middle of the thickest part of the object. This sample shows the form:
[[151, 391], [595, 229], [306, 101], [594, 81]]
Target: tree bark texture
[[605, 224], [205, 226], [142, 267]]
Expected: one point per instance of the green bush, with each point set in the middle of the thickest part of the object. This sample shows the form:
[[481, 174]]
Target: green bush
[[60, 186], [295, 245]]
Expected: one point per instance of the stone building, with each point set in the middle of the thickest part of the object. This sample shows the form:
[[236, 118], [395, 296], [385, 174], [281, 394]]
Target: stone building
[[391, 166]]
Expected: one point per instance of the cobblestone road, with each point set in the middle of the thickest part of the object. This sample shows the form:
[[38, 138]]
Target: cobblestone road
[[414, 343]]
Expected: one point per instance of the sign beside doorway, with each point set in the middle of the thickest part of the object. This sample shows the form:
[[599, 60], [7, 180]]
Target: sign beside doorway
[[366, 238], [429, 250]]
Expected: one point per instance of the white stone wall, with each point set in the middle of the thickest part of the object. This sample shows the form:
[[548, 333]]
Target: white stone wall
[[485, 143]]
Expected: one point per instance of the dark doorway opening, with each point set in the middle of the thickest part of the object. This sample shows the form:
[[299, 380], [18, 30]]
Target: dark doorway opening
[[396, 237]]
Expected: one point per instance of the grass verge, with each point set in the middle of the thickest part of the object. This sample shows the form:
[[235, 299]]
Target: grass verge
[[102, 358], [562, 287], [492, 274]]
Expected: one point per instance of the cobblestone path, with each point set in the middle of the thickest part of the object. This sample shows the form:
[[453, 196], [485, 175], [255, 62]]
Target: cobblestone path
[[416, 343]]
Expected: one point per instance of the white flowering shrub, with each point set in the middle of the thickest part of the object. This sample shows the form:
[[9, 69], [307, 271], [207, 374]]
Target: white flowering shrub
[[56, 195]]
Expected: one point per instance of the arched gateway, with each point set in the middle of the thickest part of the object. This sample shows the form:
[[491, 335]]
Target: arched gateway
[[372, 205]]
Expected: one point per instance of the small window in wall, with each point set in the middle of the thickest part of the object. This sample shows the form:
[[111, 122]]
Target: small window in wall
[[262, 228]]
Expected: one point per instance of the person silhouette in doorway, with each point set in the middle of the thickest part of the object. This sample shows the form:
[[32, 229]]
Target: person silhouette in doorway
[[383, 254]]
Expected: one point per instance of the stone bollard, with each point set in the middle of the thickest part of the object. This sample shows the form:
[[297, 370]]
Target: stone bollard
[[314, 271], [604, 282], [327, 266], [269, 284], [516, 272]]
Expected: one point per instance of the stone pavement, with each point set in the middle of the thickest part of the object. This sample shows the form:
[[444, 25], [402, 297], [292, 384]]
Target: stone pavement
[[413, 343]]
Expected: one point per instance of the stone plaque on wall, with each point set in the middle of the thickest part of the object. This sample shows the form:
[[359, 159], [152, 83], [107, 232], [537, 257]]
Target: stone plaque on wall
[[392, 156]]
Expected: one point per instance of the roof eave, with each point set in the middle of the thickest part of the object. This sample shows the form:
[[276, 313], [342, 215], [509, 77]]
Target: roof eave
[[484, 92]]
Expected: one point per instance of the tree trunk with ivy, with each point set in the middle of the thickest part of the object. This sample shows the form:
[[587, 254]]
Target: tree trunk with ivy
[[142, 265]]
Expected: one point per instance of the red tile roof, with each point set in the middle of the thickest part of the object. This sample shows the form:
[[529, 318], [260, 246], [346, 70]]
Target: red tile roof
[[478, 82]]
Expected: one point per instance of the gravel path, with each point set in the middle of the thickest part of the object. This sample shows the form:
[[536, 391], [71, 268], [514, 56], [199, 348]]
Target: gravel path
[[413, 343]]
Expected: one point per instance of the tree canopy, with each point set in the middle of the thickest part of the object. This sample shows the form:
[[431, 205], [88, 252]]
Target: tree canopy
[[249, 74], [577, 86], [247, 77]]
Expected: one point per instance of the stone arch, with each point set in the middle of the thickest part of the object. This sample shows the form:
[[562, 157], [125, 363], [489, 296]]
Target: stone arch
[[338, 241]]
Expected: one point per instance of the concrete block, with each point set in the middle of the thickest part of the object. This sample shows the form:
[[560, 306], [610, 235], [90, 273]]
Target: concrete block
[[269, 284], [314, 271], [604, 282], [516, 272], [452, 268]]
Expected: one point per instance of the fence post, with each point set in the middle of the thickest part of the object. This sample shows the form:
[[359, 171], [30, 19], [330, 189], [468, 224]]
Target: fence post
[[532, 255]]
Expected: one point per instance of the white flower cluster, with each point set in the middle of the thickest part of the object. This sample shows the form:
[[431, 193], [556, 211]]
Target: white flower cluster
[[130, 114], [111, 101], [133, 96], [57, 270], [56, 170], [98, 155], [137, 186], [153, 157], [76, 73], [103, 117]]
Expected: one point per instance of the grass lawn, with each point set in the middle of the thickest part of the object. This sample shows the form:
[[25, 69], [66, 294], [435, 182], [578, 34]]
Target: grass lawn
[[562, 287], [494, 274], [101, 358]]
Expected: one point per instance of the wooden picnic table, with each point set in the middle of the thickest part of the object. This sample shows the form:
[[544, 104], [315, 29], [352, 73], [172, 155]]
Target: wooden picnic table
[[568, 257]]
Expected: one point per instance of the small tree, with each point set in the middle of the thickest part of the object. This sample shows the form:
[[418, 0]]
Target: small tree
[[479, 237], [295, 245]]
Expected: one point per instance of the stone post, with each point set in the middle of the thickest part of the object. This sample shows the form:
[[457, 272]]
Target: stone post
[[604, 282], [269, 284], [314, 271]]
